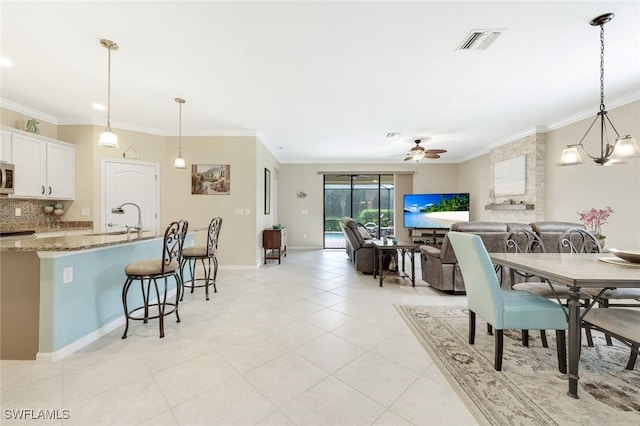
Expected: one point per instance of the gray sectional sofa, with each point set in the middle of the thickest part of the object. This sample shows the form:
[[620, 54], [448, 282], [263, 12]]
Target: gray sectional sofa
[[440, 267]]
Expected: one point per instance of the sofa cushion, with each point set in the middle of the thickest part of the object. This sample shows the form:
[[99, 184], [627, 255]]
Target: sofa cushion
[[550, 232]]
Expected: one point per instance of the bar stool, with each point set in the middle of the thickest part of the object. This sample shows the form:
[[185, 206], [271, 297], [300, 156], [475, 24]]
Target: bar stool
[[191, 255], [149, 270]]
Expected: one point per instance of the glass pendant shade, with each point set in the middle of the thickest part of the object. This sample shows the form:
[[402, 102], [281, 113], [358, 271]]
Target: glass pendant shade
[[626, 147], [179, 163], [570, 157], [108, 139]]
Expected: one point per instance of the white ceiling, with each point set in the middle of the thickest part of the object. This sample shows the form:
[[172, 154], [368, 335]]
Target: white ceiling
[[322, 81]]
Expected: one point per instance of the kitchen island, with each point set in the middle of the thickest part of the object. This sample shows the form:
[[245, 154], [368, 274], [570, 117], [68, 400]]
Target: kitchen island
[[59, 294]]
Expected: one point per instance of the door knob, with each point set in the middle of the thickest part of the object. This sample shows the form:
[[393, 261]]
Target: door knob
[[111, 224]]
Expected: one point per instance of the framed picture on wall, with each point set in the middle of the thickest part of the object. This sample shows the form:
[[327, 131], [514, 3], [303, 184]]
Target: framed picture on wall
[[267, 191], [211, 179], [510, 177]]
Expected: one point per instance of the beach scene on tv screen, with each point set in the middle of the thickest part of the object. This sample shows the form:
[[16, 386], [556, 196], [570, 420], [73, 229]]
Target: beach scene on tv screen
[[435, 210]]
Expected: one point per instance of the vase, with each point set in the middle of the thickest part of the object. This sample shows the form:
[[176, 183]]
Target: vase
[[601, 240]]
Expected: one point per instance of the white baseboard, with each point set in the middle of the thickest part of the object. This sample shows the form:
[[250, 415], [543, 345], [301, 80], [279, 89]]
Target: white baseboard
[[61, 354], [73, 347]]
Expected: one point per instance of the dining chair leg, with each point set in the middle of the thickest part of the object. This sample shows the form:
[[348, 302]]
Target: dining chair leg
[[499, 346], [543, 337], [587, 332], [489, 330], [525, 338], [561, 343], [632, 358], [472, 327]]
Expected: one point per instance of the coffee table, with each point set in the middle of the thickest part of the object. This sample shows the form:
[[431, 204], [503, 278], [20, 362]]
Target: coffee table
[[384, 249]]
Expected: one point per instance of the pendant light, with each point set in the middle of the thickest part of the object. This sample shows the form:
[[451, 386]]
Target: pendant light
[[179, 162], [108, 138], [624, 147]]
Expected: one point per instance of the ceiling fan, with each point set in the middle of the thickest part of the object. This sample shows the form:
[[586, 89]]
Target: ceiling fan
[[417, 153]]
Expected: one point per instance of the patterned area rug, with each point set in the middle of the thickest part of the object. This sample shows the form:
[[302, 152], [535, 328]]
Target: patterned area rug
[[530, 390]]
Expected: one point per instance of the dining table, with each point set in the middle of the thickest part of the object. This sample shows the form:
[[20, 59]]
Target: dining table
[[576, 271]]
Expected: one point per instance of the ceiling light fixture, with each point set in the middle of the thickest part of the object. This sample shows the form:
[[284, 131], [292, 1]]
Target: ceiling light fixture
[[417, 153], [108, 138], [624, 147], [179, 162]]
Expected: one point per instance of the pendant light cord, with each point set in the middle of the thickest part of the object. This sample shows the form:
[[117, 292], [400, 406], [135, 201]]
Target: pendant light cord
[[180, 131], [602, 67], [109, 92]]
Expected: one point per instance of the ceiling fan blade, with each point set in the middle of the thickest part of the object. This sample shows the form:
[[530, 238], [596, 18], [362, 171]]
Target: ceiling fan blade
[[431, 155], [436, 151], [408, 158]]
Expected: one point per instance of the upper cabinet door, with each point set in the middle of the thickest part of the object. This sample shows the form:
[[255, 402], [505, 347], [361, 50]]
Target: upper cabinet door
[[60, 171], [29, 157], [5, 147]]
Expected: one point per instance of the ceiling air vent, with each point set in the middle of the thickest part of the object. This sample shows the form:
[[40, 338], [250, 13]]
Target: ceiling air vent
[[479, 39]]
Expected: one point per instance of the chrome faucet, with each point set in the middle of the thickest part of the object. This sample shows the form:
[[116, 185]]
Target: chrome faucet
[[120, 210]]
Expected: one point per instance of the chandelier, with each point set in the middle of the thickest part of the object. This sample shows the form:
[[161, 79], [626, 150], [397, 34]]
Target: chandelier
[[624, 147]]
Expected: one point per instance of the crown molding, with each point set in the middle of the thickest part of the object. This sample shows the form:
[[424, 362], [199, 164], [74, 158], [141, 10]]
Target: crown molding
[[23, 109], [589, 113]]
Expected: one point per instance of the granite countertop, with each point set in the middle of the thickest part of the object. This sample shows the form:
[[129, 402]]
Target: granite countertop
[[77, 242], [81, 242], [48, 227]]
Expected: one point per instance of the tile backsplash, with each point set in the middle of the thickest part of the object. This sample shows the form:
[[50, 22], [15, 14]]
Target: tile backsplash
[[31, 211]]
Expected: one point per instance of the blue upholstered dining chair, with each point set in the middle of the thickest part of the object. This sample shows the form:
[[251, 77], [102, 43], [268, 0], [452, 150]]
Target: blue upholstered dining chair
[[503, 309]]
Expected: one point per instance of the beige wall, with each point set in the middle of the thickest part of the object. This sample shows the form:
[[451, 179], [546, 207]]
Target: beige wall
[[474, 179], [264, 159], [238, 233]]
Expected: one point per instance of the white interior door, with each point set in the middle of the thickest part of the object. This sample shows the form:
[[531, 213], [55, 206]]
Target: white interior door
[[130, 182]]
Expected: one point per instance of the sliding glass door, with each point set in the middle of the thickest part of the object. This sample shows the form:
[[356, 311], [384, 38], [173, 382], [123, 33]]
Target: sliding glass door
[[366, 198]]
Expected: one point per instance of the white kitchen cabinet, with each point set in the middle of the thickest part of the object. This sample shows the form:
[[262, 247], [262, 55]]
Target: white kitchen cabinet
[[30, 159], [44, 168], [5, 147], [60, 171]]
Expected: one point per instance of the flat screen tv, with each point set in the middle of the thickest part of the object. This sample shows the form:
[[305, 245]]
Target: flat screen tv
[[435, 210]]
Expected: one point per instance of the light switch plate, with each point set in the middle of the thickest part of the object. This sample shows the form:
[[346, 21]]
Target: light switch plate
[[18, 211], [85, 211], [67, 275]]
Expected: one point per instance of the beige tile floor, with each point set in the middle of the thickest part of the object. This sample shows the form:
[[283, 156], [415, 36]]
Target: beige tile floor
[[307, 342]]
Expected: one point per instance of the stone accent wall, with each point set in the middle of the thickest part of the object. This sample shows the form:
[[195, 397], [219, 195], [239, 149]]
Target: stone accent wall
[[533, 147]]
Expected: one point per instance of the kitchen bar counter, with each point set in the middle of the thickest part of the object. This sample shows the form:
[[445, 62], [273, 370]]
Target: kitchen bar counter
[[78, 242], [58, 294]]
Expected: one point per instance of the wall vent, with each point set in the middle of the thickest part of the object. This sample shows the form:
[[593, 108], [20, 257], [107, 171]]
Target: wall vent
[[479, 39]]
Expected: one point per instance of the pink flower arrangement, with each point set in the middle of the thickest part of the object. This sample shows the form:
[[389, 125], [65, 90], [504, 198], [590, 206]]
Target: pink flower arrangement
[[594, 218]]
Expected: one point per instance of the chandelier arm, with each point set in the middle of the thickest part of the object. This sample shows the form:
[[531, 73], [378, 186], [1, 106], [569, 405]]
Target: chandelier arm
[[612, 126], [585, 135]]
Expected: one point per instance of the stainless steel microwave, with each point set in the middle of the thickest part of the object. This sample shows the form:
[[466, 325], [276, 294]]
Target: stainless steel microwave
[[6, 178]]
